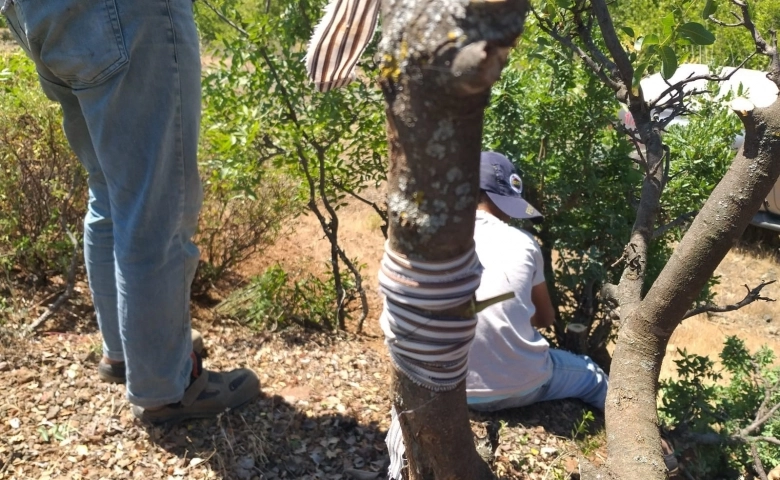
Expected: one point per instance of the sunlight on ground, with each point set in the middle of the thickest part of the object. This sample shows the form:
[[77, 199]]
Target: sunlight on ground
[[757, 324]]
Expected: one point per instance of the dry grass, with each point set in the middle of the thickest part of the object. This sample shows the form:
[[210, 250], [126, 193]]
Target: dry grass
[[757, 324]]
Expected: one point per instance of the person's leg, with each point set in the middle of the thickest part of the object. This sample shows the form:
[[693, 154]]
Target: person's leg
[[144, 124], [576, 376], [98, 228], [134, 67]]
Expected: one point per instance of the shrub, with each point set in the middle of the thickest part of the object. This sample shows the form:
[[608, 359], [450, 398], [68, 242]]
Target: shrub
[[42, 186], [708, 403], [275, 300], [235, 224]]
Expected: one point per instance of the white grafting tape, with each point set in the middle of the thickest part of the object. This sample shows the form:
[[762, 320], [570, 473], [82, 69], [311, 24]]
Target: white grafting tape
[[428, 347]]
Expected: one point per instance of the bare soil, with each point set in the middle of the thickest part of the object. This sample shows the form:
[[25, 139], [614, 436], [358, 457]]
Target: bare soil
[[324, 408]]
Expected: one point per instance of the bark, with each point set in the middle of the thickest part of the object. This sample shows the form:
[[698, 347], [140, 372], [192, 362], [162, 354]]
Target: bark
[[633, 440], [439, 60]]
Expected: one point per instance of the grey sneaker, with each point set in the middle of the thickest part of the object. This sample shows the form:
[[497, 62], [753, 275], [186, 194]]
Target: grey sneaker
[[209, 394], [115, 372]]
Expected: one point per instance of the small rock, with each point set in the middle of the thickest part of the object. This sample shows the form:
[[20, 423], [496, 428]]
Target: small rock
[[246, 462], [24, 375], [243, 474], [767, 318], [548, 451], [52, 412], [4, 367]]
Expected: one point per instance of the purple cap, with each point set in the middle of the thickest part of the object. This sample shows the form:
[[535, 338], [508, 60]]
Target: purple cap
[[499, 179]]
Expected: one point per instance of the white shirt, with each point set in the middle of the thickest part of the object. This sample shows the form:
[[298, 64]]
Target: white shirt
[[508, 356]]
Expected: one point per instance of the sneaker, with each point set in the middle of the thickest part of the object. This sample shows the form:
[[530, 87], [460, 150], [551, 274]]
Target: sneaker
[[209, 394], [115, 372]]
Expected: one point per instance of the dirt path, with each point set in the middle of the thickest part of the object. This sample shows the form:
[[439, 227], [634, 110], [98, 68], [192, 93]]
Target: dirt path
[[323, 414]]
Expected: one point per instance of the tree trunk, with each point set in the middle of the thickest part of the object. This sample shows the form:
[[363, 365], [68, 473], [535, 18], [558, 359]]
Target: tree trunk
[[633, 440], [439, 60]]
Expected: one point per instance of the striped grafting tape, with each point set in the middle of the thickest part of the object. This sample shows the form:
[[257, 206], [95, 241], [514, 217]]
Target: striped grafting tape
[[338, 41], [429, 348]]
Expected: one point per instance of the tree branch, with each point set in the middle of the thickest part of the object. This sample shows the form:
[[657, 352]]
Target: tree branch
[[682, 219], [763, 47], [757, 462], [760, 420], [568, 42], [750, 297], [678, 87], [611, 40]]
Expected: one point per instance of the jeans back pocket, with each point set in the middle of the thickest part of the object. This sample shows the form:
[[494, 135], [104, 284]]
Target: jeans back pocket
[[79, 41]]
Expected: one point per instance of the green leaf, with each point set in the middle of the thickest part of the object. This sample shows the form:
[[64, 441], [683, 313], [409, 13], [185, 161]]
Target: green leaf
[[639, 72], [564, 3], [628, 31], [668, 62], [696, 33], [651, 39], [668, 24], [645, 41], [709, 9]]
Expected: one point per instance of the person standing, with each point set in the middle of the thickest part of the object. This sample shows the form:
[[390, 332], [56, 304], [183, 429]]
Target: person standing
[[127, 75]]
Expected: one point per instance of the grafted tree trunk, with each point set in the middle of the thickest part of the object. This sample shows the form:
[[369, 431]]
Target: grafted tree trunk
[[439, 60], [632, 434]]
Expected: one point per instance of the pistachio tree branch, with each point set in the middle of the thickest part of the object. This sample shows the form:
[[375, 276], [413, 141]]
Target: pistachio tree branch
[[751, 296], [757, 462], [763, 47], [681, 220], [677, 92], [596, 67], [612, 41]]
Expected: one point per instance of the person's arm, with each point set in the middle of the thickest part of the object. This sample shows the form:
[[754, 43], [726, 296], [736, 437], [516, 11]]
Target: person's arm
[[545, 314]]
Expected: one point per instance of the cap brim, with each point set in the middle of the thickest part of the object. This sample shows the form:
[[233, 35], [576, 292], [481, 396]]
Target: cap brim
[[515, 207]]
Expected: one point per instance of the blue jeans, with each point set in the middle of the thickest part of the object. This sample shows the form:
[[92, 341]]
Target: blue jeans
[[574, 376], [127, 75]]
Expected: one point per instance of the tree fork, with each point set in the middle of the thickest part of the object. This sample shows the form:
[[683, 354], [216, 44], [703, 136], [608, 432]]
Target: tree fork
[[633, 440], [439, 59]]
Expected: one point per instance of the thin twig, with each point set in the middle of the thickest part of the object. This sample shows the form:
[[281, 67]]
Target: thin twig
[[760, 420], [567, 41], [70, 282], [750, 297], [682, 219], [678, 87]]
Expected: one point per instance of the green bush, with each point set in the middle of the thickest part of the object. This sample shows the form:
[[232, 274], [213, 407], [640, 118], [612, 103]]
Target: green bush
[[274, 300], [263, 115], [556, 121], [235, 224], [42, 184], [704, 401]]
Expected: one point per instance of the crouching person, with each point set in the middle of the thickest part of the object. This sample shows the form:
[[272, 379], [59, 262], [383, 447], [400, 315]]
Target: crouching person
[[510, 362]]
